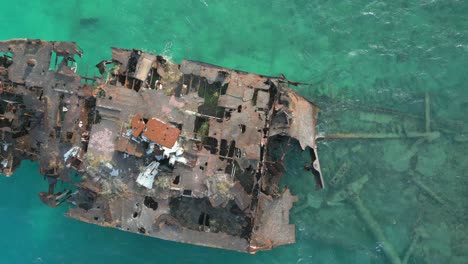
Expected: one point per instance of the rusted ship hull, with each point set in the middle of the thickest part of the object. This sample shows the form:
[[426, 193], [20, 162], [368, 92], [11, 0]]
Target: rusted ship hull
[[179, 152]]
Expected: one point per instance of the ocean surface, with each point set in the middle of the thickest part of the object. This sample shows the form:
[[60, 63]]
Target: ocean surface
[[369, 65]]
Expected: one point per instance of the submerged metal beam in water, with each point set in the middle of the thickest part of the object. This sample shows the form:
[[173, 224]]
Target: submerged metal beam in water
[[428, 135]]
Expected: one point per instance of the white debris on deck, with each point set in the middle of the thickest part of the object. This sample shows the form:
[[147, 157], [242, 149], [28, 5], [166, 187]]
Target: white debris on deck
[[73, 152], [150, 148], [115, 173], [174, 154], [146, 177]]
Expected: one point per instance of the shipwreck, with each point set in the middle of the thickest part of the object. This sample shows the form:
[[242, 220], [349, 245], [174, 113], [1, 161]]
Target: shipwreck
[[178, 152]]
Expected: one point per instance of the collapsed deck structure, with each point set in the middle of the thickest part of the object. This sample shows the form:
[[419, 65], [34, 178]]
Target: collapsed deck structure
[[179, 152]]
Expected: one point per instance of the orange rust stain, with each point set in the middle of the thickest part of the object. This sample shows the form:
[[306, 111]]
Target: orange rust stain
[[137, 125], [128, 146], [161, 133]]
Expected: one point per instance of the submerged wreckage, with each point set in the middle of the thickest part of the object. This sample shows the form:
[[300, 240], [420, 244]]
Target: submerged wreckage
[[179, 152]]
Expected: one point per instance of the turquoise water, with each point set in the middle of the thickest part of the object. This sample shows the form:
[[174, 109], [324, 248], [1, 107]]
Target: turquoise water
[[357, 55]]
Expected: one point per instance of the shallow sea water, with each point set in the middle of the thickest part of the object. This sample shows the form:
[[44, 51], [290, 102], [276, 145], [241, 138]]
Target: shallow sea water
[[369, 65]]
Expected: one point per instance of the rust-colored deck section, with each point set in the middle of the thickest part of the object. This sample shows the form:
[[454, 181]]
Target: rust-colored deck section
[[138, 125], [161, 133], [178, 152], [128, 146]]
